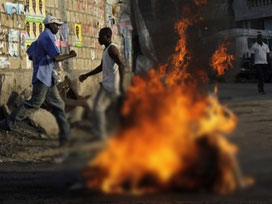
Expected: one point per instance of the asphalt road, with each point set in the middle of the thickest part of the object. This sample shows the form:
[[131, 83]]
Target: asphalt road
[[49, 182]]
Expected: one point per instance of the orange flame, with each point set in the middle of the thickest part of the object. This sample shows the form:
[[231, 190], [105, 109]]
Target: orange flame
[[163, 142], [174, 136], [221, 60], [200, 2], [215, 91]]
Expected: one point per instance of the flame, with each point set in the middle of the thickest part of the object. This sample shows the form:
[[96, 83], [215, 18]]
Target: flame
[[174, 136], [221, 60], [215, 91], [200, 2], [164, 143]]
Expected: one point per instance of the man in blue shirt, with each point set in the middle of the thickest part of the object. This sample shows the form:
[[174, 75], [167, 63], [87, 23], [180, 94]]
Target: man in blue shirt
[[44, 54]]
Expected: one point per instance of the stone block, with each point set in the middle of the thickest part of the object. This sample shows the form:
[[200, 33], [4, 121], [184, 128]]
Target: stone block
[[3, 19], [14, 62], [46, 121], [56, 3], [68, 15], [86, 67], [9, 20], [14, 82], [81, 63], [86, 53], [80, 52], [50, 3], [23, 63], [78, 65]]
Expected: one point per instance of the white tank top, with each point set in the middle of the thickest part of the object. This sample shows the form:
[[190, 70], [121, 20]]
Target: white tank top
[[111, 77]]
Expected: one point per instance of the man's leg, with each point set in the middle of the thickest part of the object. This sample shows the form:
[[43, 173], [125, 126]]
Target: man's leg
[[265, 74], [260, 77], [101, 103], [55, 102], [26, 108]]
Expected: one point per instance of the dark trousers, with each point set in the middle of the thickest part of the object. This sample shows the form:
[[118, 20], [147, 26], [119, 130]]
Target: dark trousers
[[261, 73], [40, 94]]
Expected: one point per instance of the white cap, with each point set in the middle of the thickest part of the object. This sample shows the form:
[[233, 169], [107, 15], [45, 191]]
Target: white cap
[[52, 19]]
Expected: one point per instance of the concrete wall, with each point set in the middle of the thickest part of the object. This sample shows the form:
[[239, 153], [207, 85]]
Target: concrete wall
[[268, 23], [91, 14], [243, 11]]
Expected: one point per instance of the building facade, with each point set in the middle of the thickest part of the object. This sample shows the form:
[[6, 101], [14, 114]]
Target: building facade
[[253, 14]]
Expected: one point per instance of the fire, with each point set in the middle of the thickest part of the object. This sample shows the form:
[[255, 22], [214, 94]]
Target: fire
[[221, 60], [174, 136], [200, 2]]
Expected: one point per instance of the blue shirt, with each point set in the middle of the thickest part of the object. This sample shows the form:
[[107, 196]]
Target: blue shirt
[[43, 51]]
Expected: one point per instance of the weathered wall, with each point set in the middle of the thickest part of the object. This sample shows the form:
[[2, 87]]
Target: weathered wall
[[92, 15], [14, 76], [251, 9]]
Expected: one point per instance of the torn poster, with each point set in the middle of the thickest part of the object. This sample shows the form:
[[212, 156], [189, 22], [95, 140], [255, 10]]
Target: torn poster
[[23, 40], [12, 8], [13, 35], [63, 32], [4, 63], [21, 8], [13, 49], [92, 55]]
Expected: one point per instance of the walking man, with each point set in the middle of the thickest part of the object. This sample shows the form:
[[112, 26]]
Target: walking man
[[44, 54], [111, 85], [260, 53]]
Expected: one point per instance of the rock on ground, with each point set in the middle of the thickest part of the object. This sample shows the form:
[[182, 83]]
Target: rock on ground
[[46, 121]]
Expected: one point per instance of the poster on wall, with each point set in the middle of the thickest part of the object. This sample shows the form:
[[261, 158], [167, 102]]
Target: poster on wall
[[35, 14], [92, 55], [15, 8], [12, 8], [27, 30], [13, 39], [61, 38], [13, 35], [13, 49], [34, 31], [64, 31], [78, 35], [28, 62], [21, 7], [111, 23], [109, 14], [125, 28], [35, 7], [4, 63], [23, 40], [40, 28]]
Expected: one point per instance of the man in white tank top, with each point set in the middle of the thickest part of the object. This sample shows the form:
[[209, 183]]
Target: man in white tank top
[[111, 85]]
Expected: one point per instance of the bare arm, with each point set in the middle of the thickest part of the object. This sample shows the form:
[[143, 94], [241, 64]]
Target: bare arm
[[60, 58], [93, 72], [115, 55]]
